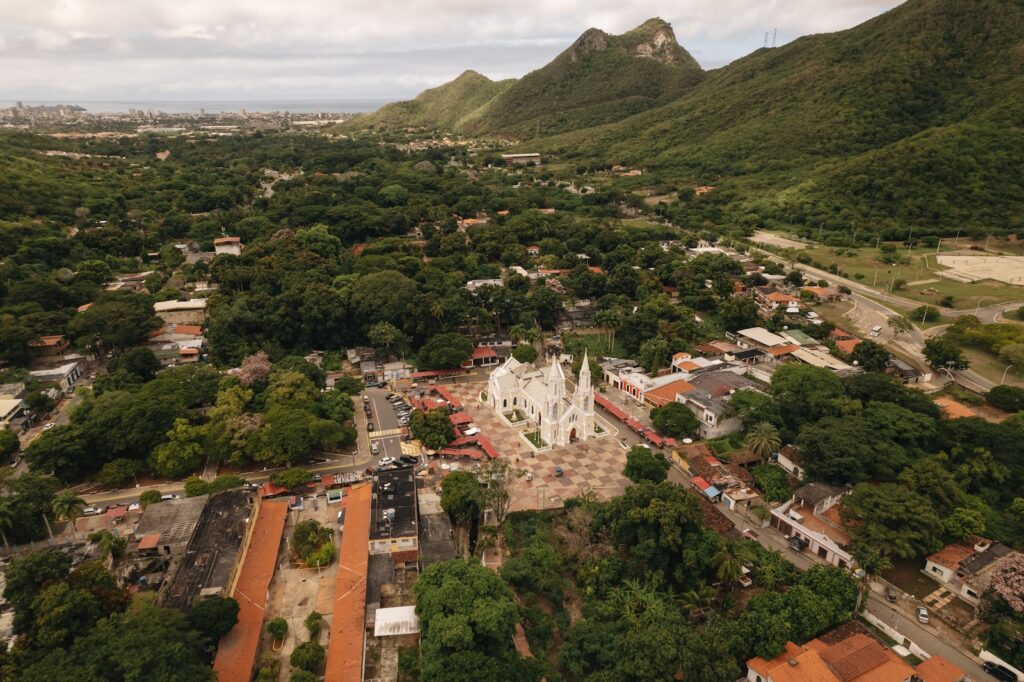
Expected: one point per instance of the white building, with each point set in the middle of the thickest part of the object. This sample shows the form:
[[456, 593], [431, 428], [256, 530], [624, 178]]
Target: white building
[[231, 246], [64, 376], [810, 520], [540, 398]]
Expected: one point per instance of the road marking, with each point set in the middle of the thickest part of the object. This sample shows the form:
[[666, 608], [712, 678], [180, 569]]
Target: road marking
[[377, 435]]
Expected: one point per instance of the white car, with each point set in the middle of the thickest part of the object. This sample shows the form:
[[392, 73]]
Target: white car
[[49, 426], [386, 461], [374, 449], [134, 506], [91, 511]]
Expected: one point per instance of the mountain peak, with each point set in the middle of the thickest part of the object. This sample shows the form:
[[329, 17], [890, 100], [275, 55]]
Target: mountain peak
[[655, 39], [592, 40]]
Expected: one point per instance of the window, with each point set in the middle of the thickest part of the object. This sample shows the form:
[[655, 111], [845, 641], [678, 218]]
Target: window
[[504, 402], [937, 570], [515, 401]]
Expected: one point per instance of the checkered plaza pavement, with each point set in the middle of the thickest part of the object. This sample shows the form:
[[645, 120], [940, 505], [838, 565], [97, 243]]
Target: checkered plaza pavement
[[592, 465]]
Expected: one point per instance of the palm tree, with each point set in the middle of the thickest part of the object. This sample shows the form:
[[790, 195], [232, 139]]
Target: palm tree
[[763, 439], [437, 309], [728, 564], [68, 505], [700, 597], [872, 563]]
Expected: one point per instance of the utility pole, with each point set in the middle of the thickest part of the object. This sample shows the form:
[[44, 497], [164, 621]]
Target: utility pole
[[987, 241], [924, 315], [957, 237]]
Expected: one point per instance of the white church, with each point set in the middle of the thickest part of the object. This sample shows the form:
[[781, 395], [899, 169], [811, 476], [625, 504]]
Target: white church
[[540, 397]]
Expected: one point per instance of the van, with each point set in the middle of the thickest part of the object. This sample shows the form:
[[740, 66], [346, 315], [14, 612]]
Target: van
[[876, 330], [472, 432]]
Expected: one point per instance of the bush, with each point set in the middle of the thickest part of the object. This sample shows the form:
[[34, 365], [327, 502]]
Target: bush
[[9, 442], [195, 486], [303, 676], [773, 482], [1009, 398], [149, 497], [278, 628], [308, 656], [291, 478], [313, 623]]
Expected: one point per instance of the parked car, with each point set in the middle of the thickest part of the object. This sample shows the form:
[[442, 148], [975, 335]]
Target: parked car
[[558, 472], [922, 614], [374, 448], [890, 595], [385, 461], [169, 496], [134, 506], [369, 426], [999, 672], [318, 477], [16, 461], [407, 459], [91, 511]]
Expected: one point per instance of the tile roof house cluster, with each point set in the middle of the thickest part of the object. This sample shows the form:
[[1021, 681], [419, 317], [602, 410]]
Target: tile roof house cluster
[[856, 658], [728, 482], [966, 567], [810, 519], [177, 343]]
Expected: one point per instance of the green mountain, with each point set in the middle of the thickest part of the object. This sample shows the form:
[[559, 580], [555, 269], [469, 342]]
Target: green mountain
[[442, 107], [916, 116], [600, 78]]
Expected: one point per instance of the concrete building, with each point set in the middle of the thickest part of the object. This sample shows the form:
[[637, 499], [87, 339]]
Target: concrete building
[[231, 246], [810, 519], [191, 312], [966, 566], [63, 376], [394, 520], [10, 410], [525, 159]]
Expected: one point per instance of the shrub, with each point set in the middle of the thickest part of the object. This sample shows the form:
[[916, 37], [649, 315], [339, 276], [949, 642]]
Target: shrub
[[149, 497], [313, 623], [308, 656], [1009, 398], [278, 628], [311, 542]]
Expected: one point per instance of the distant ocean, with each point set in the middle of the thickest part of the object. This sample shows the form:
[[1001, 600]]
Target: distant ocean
[[219, 106]]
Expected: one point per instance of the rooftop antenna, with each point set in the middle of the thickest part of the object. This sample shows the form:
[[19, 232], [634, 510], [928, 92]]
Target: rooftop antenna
[[775, 33]]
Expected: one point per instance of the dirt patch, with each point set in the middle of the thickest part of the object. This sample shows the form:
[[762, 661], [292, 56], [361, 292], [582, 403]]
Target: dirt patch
[[777, 240]]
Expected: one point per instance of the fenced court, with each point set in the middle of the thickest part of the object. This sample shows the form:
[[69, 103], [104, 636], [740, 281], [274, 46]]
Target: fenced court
[[1006, 269]]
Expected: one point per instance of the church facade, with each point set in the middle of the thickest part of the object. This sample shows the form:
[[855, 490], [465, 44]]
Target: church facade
[[540, 398]]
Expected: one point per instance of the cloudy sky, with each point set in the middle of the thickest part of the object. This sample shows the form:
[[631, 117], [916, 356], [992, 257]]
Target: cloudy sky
[[348, 50]]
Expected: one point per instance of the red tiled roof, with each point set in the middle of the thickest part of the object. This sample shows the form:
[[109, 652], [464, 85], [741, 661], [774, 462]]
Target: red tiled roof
[[847, 345], [950, 556], [149, 541], [460, 418], [777, 297], [226, 240], [345, 651], [85, 306], [481, 352], [779, 351], [938, 669], [236, 654], [428, 374]]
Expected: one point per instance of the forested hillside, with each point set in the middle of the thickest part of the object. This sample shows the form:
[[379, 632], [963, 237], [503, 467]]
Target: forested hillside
[[913, 117]]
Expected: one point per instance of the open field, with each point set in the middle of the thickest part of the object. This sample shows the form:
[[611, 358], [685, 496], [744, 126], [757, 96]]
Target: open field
[[597, 344], [865, 265], [972, 268], [773, 239]]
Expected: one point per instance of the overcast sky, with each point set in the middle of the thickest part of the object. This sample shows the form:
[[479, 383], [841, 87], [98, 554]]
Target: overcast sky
[[348, 50]]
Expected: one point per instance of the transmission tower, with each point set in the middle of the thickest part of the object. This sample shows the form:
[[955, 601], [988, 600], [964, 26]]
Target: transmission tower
[[766, 38], [775, 33]]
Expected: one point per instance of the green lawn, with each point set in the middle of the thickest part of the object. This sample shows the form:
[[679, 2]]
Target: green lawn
[[534, 437], [598, 344], [992, 368]]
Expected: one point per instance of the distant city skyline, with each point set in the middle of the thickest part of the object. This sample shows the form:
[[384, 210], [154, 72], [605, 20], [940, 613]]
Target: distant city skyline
[[230, 51]]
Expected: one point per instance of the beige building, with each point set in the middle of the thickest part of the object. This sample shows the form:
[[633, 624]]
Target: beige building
[[181, 312]]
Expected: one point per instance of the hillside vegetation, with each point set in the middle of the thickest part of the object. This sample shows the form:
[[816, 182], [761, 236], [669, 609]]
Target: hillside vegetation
[[912, 117], [598, 79]]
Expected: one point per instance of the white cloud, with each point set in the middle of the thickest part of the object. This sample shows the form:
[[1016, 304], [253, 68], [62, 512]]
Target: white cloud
[[337, 49]]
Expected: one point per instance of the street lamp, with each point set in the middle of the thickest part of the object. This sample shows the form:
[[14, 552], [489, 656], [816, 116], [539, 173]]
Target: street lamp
[[1004, 374], [978, 306]]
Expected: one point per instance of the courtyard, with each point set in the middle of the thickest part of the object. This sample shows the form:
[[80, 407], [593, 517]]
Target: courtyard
[[592, 465]]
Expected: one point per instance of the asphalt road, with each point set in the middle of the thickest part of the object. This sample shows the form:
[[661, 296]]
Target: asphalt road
[[384, 419]]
